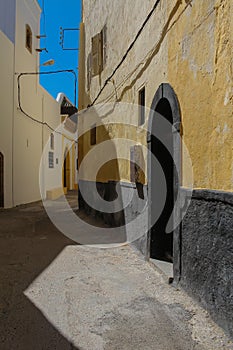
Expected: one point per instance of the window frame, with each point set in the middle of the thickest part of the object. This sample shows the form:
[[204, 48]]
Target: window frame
[[93, 135], [52, 141], [98, 52], [28, 38], [141, 106]]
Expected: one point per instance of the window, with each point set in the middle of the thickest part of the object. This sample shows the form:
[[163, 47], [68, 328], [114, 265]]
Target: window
[[99, 51], [104, 44], [51, 141], [28, 38], [51, 160], [132, 164], [93, 134], [89, 71], [141, 102]]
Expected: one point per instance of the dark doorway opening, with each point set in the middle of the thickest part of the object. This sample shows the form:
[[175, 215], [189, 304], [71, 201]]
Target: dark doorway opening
[[1, 180], [161, 244], [66, 170], [64, 173]]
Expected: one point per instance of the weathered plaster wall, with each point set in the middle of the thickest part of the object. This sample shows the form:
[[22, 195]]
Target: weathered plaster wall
[[133, 74], [187, 44], [200, 71]]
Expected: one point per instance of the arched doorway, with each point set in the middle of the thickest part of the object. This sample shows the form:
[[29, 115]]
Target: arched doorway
[[1, 180], [66, 170], [164, 144]]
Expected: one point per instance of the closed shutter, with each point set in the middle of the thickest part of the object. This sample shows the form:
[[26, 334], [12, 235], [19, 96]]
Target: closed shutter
[[97, 59]]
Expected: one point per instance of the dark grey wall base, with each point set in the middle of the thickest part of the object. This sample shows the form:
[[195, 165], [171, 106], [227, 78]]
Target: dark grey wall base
[[106, 191], [130, 198], [204, 249], [207, 254]]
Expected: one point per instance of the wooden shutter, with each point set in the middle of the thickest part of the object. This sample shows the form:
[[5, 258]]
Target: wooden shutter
[[97, 54]]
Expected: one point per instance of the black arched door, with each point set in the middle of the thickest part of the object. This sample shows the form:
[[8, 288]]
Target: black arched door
[[1, 180], [164, 177], [161, 246]]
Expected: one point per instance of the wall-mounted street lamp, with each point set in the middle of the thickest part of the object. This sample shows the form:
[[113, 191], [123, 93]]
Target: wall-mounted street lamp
[[48, 63]]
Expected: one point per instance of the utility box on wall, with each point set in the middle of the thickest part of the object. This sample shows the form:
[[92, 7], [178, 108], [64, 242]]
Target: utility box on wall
[[137, 165]]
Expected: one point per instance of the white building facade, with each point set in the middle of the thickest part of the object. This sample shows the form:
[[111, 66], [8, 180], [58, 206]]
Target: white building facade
[[29, 114]]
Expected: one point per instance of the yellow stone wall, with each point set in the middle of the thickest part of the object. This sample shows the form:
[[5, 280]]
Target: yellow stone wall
[[187, 44], [200, 71]]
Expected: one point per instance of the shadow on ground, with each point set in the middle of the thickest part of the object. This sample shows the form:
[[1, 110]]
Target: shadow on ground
[[28, 244]]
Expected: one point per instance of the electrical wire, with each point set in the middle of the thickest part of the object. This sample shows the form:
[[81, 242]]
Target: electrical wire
[[54, 72], [146, 58], [126, 53], [20, 75]]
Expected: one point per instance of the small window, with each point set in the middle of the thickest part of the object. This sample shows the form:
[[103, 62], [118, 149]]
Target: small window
[[28, 38], [51, 141], [132, 164], [141, 102], [51, 160], [104, 44], [89, 71], [93, 135]]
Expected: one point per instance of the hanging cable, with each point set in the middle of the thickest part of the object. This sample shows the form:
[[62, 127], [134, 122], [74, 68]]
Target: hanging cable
[[54, 72], [20, 75]]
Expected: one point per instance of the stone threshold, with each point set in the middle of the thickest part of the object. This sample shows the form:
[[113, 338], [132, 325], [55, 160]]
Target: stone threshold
[[166, 268]]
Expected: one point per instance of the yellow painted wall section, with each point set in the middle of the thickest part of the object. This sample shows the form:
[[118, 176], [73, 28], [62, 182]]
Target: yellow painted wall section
[[200, 71], [188, 44]]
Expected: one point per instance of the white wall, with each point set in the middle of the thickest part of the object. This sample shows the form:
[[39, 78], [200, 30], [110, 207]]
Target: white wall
[[27, 143], [6, 114], [22, 140]]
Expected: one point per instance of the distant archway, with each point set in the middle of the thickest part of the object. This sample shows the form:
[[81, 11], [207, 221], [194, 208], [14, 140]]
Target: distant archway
[[162, 245], [1, 180]]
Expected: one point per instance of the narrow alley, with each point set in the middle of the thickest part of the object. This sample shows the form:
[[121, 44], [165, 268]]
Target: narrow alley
[[56, 294]]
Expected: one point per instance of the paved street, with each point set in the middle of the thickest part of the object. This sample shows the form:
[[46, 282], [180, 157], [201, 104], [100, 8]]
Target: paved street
[[56, 294]]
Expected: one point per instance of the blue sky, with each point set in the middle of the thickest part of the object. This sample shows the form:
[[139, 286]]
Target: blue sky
[[56, 14]]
